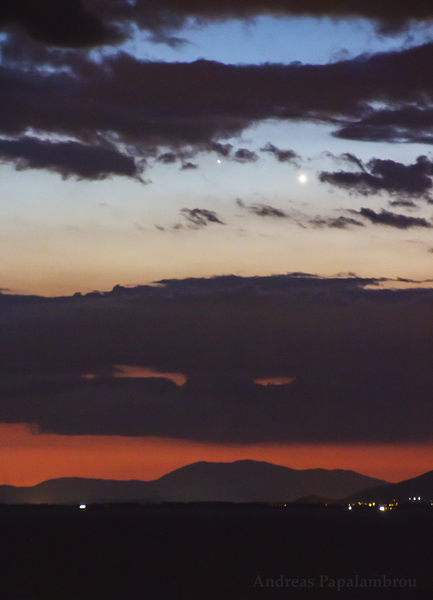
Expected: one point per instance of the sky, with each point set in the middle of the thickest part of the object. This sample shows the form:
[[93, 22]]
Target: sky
[[215, 233]]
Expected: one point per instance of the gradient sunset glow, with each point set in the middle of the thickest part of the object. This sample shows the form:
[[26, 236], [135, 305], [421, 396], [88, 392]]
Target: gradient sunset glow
[[216, 237], [28, 459]]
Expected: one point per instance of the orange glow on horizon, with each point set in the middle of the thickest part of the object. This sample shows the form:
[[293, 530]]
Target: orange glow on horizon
[[135, 371], [274, 380], [27, 458]]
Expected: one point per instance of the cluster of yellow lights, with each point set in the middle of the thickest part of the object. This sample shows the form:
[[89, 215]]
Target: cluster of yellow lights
[[382, 507]]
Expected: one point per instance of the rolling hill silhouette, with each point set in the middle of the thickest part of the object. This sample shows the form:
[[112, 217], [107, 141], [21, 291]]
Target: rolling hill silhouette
[[421, 487], [240, 481]]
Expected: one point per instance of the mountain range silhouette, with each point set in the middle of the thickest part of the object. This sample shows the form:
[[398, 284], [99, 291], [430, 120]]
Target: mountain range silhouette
[[239, 481]]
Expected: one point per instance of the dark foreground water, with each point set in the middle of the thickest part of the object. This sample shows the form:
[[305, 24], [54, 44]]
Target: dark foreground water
[[192, 553]]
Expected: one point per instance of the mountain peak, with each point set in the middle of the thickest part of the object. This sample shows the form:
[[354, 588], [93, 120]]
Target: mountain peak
[[239, 481]]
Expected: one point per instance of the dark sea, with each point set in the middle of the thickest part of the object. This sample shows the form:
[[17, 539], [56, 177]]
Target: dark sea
[[214, 552]]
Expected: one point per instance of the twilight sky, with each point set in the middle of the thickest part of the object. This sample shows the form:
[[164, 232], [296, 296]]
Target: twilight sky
[[253, 181]]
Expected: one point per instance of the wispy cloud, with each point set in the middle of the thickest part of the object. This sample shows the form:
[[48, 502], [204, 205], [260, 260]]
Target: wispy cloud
[[201, 217], [391, 219], [388, 176], [67, 158], [289, 156]]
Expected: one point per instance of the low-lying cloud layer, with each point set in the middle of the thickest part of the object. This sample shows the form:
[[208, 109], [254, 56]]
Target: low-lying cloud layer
[[361, 360]]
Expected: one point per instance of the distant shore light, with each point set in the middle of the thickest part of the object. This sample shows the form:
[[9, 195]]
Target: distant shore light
[[82, 506]]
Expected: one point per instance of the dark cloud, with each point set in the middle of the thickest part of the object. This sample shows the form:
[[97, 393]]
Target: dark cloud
[[343, 222], [361, 360], [66, 158], [340, 222], [282, 155], [145, 104], [18, 49], [363, 183], [169, 15], [66, 23], [405, 124], [160, 37], [390, 16], [403, 203], [386, 217], [287, 283], [243, 155], [362, 133], [352, 159], [91, 103], [385, 175], [264, 210], [221, 149], [167, 158], [200, 217], [229, 408], [75, 22]]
